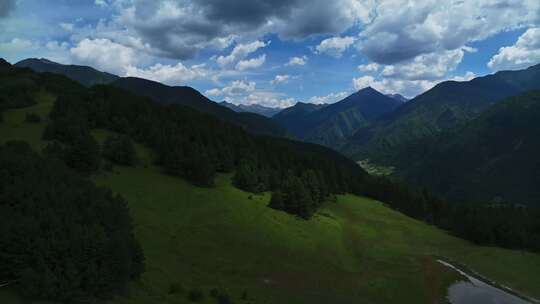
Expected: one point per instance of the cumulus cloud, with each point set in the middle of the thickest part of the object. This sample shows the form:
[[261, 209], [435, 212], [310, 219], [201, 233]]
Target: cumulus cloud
[[279, 79], [297, 61], [6, 7], [235, 88], [524, 53], [240, 52], [335, 46], [368, 68], [170, 74], [426, 66], [468, 76], [407, 88], [251, 63], [101, 3], [246, 92], [330, 98], [266, 98], [404, 29], [106, 55], [179, 29]]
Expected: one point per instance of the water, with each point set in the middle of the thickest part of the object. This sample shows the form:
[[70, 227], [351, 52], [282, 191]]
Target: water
[[476, 291]]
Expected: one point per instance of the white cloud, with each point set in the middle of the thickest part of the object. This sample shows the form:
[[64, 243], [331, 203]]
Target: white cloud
[[524, 53], [468, 76], [180, 28], [246, 92], [297, 61], [330, 98], [335, 46], [101, 3], [426, 66], [240, 52], [405, 87], [401, 29], [251, 63], [67, 26], [106, 55], [279, 79], [235, 88], [170, 74], [17, 49], [16, 45], [269, 99], [368, 68]]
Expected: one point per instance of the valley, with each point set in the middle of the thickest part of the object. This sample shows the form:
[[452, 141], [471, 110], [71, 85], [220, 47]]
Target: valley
[[352, 249]]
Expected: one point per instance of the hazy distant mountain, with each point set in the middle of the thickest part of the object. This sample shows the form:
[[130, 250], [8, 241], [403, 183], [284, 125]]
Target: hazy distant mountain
[[445, 106], [291, 118], [398, 97], [190, 97], [331, 125], [492, 158], [253, 108], [83, 74]]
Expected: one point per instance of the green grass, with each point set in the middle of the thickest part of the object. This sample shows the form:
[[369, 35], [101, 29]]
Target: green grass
[[355, 250]]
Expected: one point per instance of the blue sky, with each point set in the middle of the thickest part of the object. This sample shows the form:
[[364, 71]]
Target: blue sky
[[279, 52]]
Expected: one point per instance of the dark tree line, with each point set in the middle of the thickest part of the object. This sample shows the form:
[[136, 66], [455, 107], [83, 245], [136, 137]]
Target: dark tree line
[[62, 237], [16, 91], [504, 225], [196, 146]]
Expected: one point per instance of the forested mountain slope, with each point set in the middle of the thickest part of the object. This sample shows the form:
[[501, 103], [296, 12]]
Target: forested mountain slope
[[186, 96], [446, 105], [331, 125], [493, 158], [83, 74]]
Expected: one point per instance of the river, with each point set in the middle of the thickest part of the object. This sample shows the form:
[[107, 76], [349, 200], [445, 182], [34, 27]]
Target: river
[[476, 291]]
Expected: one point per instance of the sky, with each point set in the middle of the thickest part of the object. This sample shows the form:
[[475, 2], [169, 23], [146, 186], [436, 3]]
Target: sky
[[279, 52]]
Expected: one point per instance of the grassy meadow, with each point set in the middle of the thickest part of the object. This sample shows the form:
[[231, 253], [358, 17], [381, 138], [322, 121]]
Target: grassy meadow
[[354, 250]]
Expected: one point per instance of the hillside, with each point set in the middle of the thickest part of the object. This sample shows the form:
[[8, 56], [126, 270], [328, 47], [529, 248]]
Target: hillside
[[493, 158], [253, 108], [190, 97], [82, 74], [446, 105], [353, 250], [331, 125], [184, 95]]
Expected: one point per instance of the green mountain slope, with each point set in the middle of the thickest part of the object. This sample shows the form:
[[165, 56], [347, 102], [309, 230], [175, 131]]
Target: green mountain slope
[[446, 105], [490, 159], [331, 125], [353, 250], [82, 74], [190, 97], [186, 96]]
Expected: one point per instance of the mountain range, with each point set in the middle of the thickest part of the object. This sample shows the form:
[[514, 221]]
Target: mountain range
[[181, 95], [445, 106], [252, 108], [84, 75], [331, 125], [492, 158]]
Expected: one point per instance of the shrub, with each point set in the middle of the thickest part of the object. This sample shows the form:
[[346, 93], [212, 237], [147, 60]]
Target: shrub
[[196, 295], [32, 118]]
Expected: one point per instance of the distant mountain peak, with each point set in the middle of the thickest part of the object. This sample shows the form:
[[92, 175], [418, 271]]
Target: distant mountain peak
[[398, 97], [252, 108], [4, 63], [85, 75], [368, 89]]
